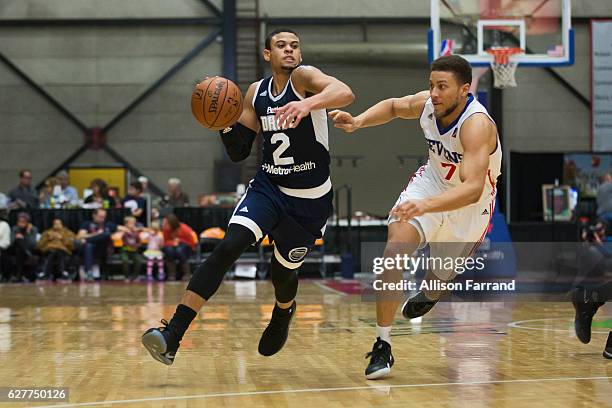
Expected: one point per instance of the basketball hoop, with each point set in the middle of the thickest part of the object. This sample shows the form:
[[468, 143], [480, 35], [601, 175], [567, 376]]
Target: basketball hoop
[[503, 66]]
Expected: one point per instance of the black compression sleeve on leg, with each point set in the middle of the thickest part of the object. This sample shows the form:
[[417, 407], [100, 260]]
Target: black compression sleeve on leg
[[238, 141], [208, 276], [285, 281]]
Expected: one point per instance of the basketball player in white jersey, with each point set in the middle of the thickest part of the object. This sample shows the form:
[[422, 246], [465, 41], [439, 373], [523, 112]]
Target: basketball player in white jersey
[[448, 202]]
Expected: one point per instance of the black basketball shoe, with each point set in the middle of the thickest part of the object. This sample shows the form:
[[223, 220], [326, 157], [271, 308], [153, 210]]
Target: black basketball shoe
[[607, 353], [274, 337], [586, 306], [160, 343], [417, 306], [381, 360]]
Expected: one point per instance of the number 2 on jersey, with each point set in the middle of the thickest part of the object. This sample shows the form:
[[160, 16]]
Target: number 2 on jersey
[[451, 170], [285, 143]]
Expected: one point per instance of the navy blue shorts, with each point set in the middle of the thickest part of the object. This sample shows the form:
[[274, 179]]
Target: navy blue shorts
[[293, 223]]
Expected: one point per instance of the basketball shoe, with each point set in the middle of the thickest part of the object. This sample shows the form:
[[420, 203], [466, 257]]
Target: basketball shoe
[[274, 337], [586, 306], [381, 360], [160, 343], [607, 353], [417, 306]]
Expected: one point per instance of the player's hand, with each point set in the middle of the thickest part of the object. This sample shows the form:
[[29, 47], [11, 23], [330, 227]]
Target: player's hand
[[290, 115], [343, 120], [409, 209]]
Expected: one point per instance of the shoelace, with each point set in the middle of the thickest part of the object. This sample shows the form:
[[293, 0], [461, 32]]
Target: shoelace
[[376, 353]]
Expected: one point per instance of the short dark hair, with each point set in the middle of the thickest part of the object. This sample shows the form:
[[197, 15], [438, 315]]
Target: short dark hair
[[459, 66], [173, 221], [97, 210], [24, 171], [23, 216], [137, 185], [277, 31]]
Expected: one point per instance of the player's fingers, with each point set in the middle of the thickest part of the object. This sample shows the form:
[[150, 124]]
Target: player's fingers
[[296, 121], [333, 113], [280, 111]]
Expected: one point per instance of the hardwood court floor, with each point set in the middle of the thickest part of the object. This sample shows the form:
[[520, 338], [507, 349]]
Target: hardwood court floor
[[87, 337]]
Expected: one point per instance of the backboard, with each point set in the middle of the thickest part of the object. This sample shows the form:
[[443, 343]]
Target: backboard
[[542, 28]]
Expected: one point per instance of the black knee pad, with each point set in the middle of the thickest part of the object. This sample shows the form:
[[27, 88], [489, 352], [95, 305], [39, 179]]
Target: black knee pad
[[285, 281], [208, 276]]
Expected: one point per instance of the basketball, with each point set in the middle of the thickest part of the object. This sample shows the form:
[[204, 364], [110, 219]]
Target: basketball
[[216, 103]]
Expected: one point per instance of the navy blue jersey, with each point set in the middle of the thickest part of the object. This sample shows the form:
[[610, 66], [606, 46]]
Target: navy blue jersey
[[293, 159]]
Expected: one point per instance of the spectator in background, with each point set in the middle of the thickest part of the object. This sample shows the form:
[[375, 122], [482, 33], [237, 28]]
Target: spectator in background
[[130, 236], [136, 203], [604, 199], [94, 238], [24, 196], [145, 185], [179, 243], [56, 244], [115, 197], [175, 196], [5, 239], [155, 242], [155, 215], [24, 237], [69, 195], [46, 197], [99, 197]]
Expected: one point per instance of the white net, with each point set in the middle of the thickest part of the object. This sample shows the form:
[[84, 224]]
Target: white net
[[504, 74], [504, 67]]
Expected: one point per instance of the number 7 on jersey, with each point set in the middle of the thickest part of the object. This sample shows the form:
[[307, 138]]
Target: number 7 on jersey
[[451, 170]]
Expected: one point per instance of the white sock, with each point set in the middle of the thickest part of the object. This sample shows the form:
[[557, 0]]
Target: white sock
[[384, 333]]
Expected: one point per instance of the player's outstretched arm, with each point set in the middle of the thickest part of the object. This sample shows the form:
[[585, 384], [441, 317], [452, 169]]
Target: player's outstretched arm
[[478, 137], [407, 107], [238, 138], [327, 93]]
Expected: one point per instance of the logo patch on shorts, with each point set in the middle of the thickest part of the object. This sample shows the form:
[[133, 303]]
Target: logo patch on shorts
[[297, 254]]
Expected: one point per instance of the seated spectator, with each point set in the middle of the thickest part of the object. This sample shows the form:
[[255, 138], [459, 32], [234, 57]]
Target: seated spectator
[[69, 196], [155, 215], [24, 237], [93, 240], [47, 197], [56, 245], [604, 199], [24, 196], [153, 254], [99, 197], [5, 241], [115, 196], [136, 203], [130, 257], [175, 196], [179, 243]]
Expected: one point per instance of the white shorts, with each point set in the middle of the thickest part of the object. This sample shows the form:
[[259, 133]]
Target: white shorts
[[456, 233]]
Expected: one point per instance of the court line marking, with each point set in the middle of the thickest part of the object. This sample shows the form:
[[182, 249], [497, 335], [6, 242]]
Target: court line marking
[[325, 287], [309, 390], [516, 325]]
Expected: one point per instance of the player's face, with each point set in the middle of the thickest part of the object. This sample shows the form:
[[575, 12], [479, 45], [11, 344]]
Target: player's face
[[284, 52], [446, 93]]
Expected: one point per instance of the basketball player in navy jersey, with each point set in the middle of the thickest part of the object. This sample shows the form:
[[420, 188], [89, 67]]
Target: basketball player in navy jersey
[[289, 199], [448, 203]]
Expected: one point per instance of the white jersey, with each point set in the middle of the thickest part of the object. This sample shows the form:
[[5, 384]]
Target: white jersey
[[446, 151]]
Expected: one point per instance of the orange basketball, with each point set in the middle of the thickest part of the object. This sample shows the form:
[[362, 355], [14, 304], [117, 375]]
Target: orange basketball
[[216, 103]]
